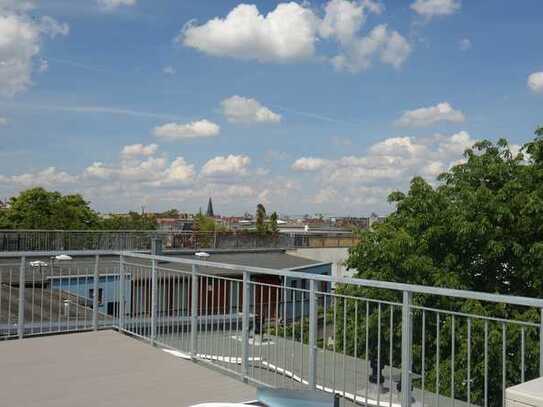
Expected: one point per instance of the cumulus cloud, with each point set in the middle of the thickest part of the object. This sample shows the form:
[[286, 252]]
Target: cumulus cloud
[[238, 109], [464, 44], [135, 150], [427, 116], [48, 178], [435, 8], [52, 27], [226, 165], [168, 70], [21, 40], [343, 18], [390, 46], [284, 34], [366, 180], [535, 82], [114, 4], [309, 164], [292, 31], [181, 131], [179, 171]]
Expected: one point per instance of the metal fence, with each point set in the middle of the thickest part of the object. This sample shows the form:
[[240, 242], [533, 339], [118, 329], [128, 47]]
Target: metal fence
[[58, 240], [371, 342]]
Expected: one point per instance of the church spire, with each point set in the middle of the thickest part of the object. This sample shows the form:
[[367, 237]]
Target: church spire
[[210, 209]]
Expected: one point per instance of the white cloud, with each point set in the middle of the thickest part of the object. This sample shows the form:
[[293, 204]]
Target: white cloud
[[43, 66], [434, 8], [231, 165], [98, 170], [535, 82], [20, 42], [358, 54], [292, 31], [343, 18], [113, 4], [17, 5], [179, 171], [180, 131], [168, 70], [287, 33], [52, 27], [464, 44], [239, 109], [135, 150], [48, 178], [3, 121], [309, 164], [365, 180], [427, 116]]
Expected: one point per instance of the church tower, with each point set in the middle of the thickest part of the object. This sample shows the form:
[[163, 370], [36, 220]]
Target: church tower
[[210, 209]]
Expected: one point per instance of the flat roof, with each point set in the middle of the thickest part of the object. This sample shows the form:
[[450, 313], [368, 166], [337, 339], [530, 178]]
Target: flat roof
[[107, 368], [276, 259]]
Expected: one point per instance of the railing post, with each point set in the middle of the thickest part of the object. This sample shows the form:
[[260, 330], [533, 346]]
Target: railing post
[[121, 292], [312, 378], [21, 319], [95, 291], [541, 345], [154, 299], [407, 355], [246, 309], [194, 313]]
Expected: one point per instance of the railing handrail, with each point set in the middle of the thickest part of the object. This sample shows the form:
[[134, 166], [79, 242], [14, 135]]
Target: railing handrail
[[401, 287], [178, 231]]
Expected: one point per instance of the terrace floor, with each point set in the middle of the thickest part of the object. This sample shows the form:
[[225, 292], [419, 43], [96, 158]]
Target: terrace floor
[[106, 368]]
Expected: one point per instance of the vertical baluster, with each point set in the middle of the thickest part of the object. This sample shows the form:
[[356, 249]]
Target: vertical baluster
[[194, 312], [452, 358], [469, 363], [486, 366], [312, 339], [95, 293], [21, 310], [245, 326], [522, 356]]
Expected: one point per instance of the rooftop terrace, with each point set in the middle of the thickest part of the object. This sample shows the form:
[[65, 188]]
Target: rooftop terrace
[[106, 368], [246, 325]]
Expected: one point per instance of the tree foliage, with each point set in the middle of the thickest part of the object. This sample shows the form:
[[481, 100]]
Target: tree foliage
[[274, 227], [37, 208], [132, 221], [479, 229], [261, 219]]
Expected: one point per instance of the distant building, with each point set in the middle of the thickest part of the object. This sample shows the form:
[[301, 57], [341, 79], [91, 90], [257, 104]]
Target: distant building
[[209, 211], [171, 224]]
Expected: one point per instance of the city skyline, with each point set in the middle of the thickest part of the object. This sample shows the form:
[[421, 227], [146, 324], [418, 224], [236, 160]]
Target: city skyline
[[314, 107]]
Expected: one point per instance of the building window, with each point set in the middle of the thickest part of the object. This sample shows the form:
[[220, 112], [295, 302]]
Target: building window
[[100, 295]]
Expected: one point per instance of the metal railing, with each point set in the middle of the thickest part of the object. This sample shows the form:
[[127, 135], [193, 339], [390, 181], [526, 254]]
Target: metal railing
[[371, 342], [58, 240]]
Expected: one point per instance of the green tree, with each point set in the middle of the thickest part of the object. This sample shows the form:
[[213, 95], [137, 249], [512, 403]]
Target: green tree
[[274, 228], [479, 229], [261, 219], [170, 213], [206, 229], [132, 221], [37, 208]]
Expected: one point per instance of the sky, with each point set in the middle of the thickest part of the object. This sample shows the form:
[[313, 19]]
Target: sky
[[307, 107]]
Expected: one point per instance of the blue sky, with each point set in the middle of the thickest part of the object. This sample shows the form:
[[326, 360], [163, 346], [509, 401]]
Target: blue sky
[[322, 106]]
